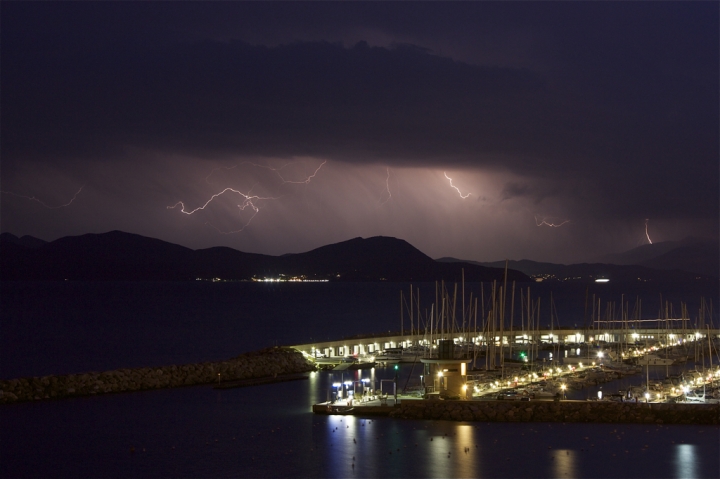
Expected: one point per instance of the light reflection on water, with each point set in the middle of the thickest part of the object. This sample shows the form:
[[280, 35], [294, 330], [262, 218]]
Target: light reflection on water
[[686, 461], [565, 463], [269, 431]]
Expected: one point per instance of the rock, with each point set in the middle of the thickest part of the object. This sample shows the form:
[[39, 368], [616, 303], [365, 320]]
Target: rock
[[255, 364]]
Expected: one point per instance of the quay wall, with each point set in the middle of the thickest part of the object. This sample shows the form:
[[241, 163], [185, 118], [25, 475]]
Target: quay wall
[[264, 363], [563, 411]]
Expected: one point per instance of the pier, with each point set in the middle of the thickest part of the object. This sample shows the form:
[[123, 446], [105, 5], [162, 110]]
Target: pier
[[372, 345], [536, 411]]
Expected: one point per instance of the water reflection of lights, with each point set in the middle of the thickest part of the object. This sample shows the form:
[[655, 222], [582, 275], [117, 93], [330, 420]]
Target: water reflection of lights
[[349, 439], [565, 463], [314, 386], [458, 445], [686, 461]]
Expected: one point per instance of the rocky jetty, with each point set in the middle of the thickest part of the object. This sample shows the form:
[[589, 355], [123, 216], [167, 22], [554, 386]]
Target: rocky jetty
[[564, 411], [265, 363]]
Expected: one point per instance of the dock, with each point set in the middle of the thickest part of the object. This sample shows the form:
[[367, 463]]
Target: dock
[[534, 411], [371, 345]]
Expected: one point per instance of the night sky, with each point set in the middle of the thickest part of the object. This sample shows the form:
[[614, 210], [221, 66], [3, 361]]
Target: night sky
[[564, 127]]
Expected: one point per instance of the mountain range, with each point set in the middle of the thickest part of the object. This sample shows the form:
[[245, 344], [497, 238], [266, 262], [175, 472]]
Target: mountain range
[[696, 255], [687, 260], [123, 256], [117, 255]]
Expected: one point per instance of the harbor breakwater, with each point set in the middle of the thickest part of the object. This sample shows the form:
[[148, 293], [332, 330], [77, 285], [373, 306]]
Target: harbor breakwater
[[265, 363], [563, 411]]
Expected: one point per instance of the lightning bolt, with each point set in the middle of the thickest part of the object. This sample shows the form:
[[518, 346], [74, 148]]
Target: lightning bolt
[[235, 231], [544, 222], [275, 170], [32, 198], [456, 188], [249, 201], [207, 178], [646, 230], [305, 181], [387, 187]]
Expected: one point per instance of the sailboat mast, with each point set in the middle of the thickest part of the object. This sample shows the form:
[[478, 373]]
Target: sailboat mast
[[411, 310], [512, 314], [401, 314], [463, 299]]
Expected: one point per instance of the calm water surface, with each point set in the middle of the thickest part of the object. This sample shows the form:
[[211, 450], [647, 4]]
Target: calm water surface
[[268, 431]]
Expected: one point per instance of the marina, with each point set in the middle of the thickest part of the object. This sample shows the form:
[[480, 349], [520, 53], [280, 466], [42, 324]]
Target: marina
[[474, 349], [269, 430], [655, 374]]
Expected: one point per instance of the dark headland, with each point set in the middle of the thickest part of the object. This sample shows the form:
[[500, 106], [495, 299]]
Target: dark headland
[[129, 257], [120, 256]]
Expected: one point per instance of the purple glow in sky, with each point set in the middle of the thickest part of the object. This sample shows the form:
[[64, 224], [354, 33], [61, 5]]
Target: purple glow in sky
[[327, 121]]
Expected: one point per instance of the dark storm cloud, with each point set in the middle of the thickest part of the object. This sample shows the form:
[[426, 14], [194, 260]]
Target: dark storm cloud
[[322, 99], [607, 108], [535, 192]]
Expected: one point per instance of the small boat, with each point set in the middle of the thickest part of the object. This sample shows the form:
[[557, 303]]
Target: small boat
[[654, 360], [362, 365]]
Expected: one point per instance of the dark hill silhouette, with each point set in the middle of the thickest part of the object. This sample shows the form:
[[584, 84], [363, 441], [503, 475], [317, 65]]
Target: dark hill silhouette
[[589, 272], [696, 255], [124, 256], [384, 258], [701, 258], [27, 240], [639, 254]]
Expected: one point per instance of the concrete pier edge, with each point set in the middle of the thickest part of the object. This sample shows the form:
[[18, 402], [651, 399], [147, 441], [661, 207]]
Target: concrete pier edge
[[563, 411]]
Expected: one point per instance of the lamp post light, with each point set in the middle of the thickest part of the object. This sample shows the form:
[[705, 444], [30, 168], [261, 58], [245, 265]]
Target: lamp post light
[[364, 382]]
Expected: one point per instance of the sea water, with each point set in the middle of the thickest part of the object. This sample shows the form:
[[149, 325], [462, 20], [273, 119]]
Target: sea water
[[269, 431]]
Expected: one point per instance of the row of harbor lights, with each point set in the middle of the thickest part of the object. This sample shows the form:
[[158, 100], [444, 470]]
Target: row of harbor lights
[[345, 386]]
